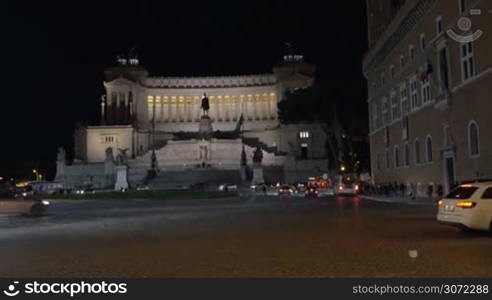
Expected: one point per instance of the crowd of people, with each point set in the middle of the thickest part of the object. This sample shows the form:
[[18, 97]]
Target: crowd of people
[[399, 189]]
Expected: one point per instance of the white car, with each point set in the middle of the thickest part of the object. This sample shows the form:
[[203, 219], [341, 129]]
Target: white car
[[228, 187], [21, 206], [347, 185], [469, 206]]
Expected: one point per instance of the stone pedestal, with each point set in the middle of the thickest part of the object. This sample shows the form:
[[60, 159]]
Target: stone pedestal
[[205, 129], [258, 175], [60, 171], [121, 178]]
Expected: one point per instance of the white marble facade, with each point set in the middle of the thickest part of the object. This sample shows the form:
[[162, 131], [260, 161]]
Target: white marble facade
[[141, 112]]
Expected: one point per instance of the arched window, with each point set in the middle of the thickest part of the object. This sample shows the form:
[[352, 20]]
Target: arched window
[[473, 139], [416, 147], [397, 157], [406, 154], [428, 149]]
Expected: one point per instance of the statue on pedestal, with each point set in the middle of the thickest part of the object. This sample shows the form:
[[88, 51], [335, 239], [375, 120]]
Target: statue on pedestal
[[205, 130], [61, 160], [122, 158], [205, 104], [61, 155], [258, 156], [257, 168]]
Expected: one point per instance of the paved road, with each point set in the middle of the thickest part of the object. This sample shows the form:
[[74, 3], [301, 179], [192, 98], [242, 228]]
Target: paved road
[[239, 237]]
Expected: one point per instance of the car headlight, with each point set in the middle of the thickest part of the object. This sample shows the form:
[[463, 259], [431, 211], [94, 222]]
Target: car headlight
[[45, 202]]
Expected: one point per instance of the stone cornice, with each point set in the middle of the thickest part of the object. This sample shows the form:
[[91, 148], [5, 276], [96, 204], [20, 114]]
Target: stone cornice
[[210, 82], [405, 20]]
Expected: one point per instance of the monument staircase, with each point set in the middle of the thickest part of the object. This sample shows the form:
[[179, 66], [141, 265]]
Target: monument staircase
[[202, 177], [256, 142]]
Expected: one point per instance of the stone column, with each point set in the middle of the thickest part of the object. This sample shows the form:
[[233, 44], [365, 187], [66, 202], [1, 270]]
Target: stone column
[[173, 109], [117, 110], [194, 107], [163, 107], [267, 107], [273, 103], [126, 110], [244, 107], [103, 109]]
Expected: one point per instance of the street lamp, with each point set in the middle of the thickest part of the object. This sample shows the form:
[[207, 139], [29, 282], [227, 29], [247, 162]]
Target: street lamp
[[342, 168], [36, 174]]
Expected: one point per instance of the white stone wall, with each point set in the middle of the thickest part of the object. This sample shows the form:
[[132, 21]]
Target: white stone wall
[[99, 138]]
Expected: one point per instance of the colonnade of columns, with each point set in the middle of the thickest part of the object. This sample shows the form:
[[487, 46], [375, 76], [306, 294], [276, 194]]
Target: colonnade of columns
[[117, 108], [223, 108]]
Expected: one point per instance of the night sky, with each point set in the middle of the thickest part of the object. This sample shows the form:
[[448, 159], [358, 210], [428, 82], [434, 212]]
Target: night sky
[[54, 55]]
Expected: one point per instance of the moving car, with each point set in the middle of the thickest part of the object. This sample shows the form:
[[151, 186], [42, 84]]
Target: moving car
[[11, 205], [468, 206], [312, 192], [227, 187], [285, 190], [347, 185]]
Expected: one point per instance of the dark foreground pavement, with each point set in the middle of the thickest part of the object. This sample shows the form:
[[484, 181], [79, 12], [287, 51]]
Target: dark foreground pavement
[[241, 237]]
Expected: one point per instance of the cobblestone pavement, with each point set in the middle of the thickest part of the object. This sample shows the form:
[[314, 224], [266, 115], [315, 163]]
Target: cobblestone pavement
[[245, 237]]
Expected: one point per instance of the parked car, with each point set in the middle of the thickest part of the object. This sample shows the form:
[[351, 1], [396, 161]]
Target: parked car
[[347, 185], [11, 205], [285, 190], [468, 206], [228, 187]]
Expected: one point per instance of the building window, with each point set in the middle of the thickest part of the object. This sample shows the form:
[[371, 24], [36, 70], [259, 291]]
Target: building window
[[423, 43], [383, 79], [426, 89], [304, 151], [405, 104], [443, 68], [428, 149], [395, 106], [392, 71], [414, 93], [439, 28], [406, 153], [388, 164], [304, 134], [416, 147], [467, 64], [397, 157], [402, 62], [462, 4], [473, 139], [411, 52], [109, 139], [386, 111]]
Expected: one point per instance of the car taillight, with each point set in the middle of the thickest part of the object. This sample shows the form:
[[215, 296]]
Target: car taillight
[[356, 187], [466, 204], [340, 187], [281, 190]]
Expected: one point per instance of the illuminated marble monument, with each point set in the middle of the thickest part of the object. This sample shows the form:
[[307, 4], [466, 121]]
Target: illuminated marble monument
[[192, 124]]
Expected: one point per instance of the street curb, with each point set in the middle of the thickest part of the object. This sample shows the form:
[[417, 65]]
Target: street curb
[[390, 200]]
